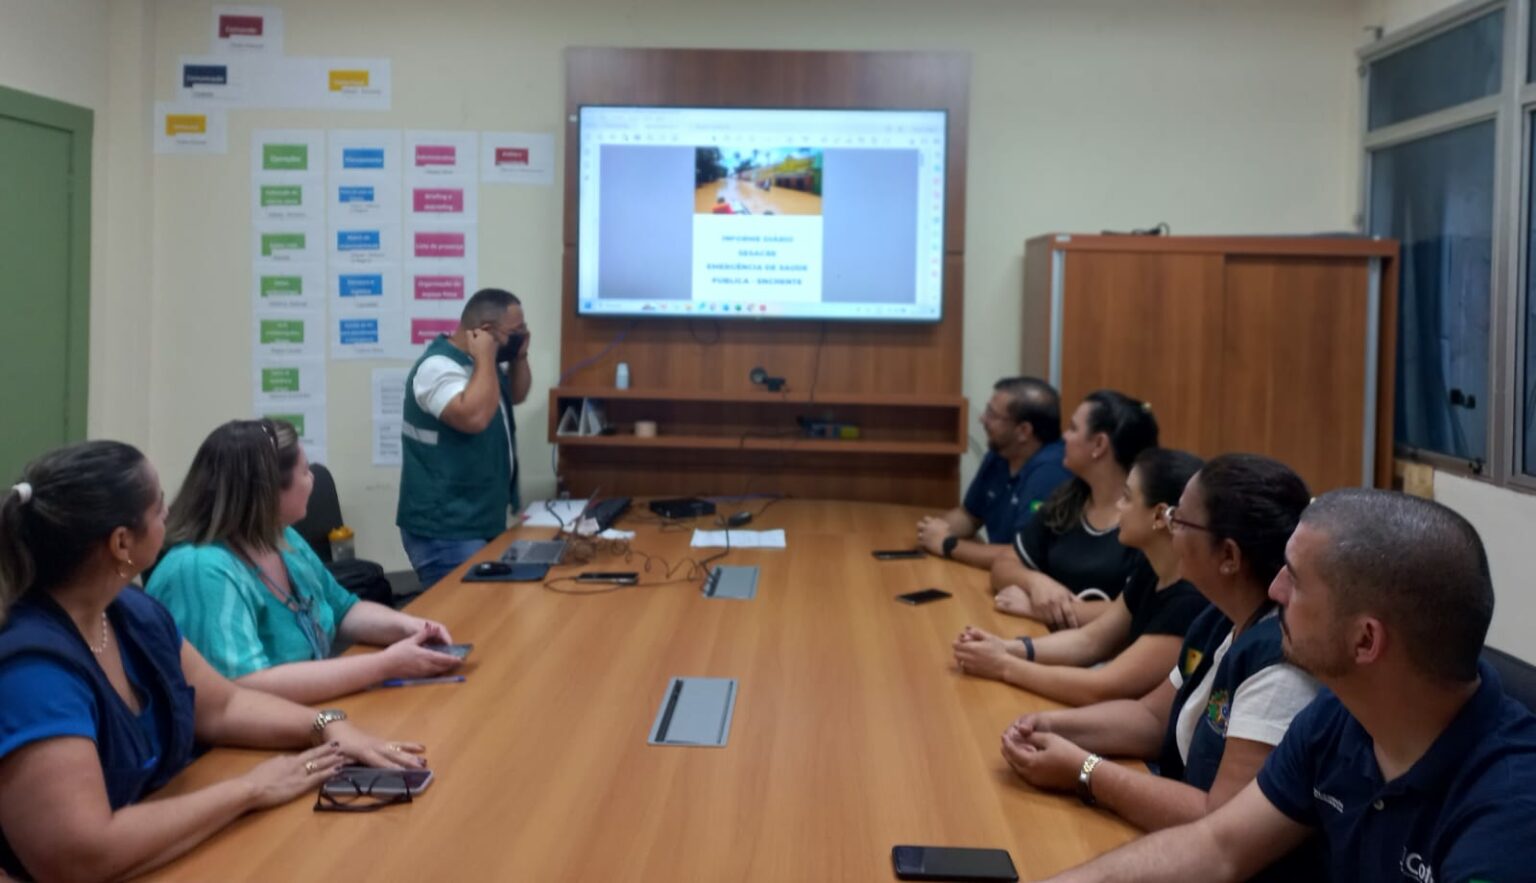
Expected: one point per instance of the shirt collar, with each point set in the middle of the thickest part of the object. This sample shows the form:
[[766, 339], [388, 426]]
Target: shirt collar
[[1449, 752]]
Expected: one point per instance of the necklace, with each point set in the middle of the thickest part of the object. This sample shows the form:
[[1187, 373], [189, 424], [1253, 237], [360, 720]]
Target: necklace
[[102, 649]]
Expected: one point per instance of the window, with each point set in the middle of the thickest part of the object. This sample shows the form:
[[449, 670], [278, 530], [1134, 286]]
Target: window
[[1454, 67], [1450, 171], [1435, 196]]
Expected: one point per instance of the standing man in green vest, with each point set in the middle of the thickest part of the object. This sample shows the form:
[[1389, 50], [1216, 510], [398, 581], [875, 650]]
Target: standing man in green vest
[[459, 441]]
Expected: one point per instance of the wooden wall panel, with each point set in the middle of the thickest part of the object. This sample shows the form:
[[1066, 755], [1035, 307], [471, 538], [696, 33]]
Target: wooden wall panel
[[1293, 371], [1149, 326]]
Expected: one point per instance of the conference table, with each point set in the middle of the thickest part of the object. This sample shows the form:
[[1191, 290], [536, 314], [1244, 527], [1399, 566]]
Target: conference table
[[852, 729]]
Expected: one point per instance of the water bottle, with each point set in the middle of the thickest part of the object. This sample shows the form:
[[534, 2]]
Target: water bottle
[[342, 548], [621, 376]]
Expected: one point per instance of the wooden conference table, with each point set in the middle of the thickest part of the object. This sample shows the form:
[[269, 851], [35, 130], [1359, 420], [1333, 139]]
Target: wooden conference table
[[853, 731]]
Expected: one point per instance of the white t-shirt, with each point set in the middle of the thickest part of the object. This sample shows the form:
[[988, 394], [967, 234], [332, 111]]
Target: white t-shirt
[[1261, 709], [439, 380]]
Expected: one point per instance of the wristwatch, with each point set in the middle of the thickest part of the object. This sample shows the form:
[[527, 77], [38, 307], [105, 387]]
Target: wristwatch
[[1085, 779], [325, 718], [949, 546]]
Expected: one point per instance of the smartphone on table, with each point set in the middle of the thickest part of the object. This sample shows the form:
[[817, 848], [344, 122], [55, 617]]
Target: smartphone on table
[[897, 554], [923, 596], [953, 863]]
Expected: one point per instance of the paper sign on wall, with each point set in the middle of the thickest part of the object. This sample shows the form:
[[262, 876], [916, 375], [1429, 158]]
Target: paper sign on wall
[[287, 287], [517, 158], [181, 127], [242, 30]]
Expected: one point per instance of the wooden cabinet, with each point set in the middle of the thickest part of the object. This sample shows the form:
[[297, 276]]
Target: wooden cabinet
[[1274, 345]]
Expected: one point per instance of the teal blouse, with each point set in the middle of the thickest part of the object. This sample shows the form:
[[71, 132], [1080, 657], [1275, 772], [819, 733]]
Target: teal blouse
[[223, 607]]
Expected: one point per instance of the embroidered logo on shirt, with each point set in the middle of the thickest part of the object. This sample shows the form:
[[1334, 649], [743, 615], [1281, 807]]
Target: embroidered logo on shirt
[[1414, 867], [1217, 710], [1192, 659], [1337, 804], [1035, 506]]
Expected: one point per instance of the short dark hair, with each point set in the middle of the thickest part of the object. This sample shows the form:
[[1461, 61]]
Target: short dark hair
[[79, 495], [1417, 565], [486, 305], [231, 492], [1033, 401], [1256, 502], [1164, 472]]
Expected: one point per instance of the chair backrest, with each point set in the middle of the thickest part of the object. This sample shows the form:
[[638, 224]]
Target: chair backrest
[[323, 515], [1519, 676]]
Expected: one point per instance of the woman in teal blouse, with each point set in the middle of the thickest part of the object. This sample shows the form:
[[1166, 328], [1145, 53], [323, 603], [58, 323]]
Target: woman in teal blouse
[[253, 598]]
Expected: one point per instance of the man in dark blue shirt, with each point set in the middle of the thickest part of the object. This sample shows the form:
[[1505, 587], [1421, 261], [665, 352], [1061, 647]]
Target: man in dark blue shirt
[[1413, 764], [1022, 421]]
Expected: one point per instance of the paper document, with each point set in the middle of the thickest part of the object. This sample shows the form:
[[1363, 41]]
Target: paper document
[[740, 539], [553, 513]]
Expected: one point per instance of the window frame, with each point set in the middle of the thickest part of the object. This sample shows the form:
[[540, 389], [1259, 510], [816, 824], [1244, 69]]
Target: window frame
[[1512, 110]]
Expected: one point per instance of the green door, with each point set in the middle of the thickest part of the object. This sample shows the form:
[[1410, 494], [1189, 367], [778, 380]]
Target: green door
[[45, 155]]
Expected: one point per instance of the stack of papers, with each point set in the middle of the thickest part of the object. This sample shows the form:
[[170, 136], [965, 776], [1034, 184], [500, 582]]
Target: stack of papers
[[740, 539]]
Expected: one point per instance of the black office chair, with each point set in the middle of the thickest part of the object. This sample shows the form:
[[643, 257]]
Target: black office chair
[[1517, 675], [367, 579]]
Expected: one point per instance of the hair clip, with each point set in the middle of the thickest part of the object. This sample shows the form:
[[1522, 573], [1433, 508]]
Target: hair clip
[[23, 489]]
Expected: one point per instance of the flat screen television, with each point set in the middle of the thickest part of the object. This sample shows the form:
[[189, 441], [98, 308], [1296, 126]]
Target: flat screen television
[[758, 213]]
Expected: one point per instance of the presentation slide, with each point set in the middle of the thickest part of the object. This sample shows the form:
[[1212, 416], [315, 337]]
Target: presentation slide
[[761, 213]]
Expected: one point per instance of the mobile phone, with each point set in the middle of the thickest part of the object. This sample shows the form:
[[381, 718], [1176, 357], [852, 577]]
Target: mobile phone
[[457, 650], [621, 577], [896, 554], [351, 781], [923, 596], [952, 863]]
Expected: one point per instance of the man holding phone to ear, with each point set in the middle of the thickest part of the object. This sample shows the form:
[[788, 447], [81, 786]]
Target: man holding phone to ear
[[458, 470]]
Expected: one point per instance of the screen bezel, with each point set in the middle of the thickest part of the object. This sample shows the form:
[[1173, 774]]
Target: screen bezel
[[581, 111]]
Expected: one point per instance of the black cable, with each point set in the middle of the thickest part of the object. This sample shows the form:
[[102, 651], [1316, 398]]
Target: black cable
[[618, 338], [816, 365], [693, 330]]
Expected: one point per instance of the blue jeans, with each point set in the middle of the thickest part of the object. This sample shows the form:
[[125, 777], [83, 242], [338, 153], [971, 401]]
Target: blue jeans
[[432, 559]]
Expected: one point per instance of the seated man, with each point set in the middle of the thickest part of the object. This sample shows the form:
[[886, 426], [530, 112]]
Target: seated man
[[1022, 421], [1416, 765]]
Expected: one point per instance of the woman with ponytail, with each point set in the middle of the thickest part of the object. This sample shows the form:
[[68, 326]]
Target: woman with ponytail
[[101, 700], [1069, 563]]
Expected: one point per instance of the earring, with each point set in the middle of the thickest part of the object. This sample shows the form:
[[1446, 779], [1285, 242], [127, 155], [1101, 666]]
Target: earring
[[1228, 570], [129, 574]]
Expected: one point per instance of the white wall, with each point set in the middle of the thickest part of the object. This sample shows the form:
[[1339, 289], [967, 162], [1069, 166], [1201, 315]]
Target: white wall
[[1216, 118]]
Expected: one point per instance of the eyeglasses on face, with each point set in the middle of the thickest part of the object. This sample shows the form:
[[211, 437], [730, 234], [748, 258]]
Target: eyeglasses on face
[[1177, 523]]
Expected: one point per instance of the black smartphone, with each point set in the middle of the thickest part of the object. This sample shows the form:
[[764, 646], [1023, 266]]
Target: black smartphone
[[923, 596], [896, 554], [621, 577], [952, 863]]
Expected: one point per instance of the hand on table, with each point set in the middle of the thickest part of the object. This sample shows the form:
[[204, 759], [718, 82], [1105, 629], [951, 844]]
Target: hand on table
[[408, 658], [931, 534], [1013, 601], [280, 779], [368, 750], [1045, 760], [980, 654]]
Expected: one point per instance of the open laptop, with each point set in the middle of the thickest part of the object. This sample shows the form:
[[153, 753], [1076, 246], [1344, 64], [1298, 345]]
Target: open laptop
[[545, 551]]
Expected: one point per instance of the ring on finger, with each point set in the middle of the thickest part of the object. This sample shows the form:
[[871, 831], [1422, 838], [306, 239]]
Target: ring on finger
[[309, 766]]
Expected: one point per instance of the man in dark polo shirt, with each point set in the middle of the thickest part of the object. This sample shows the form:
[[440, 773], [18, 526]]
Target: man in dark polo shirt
[[1022, 421], [1413, 764]]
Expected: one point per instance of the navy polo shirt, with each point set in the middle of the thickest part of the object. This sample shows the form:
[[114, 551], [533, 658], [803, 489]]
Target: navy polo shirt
[[1465, 811], [1003, 502]]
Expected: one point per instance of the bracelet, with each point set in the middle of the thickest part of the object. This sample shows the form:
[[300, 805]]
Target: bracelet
[[1029, 647], [1085, 780]]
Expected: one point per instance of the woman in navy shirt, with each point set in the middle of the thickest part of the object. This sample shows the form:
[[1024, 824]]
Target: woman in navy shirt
[[100, 698], [1230, 698]]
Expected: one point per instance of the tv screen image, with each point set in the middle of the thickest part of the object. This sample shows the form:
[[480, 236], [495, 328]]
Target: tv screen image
[[747, 213]]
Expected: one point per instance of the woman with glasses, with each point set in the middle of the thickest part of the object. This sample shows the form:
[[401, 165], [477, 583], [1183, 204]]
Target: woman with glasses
[[101, 699], [1228, 701], [1138, 638], [254, 598], [1069, 563]]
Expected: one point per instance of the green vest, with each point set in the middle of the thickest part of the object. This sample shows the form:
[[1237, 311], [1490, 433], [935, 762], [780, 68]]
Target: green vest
[[453, 485]]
